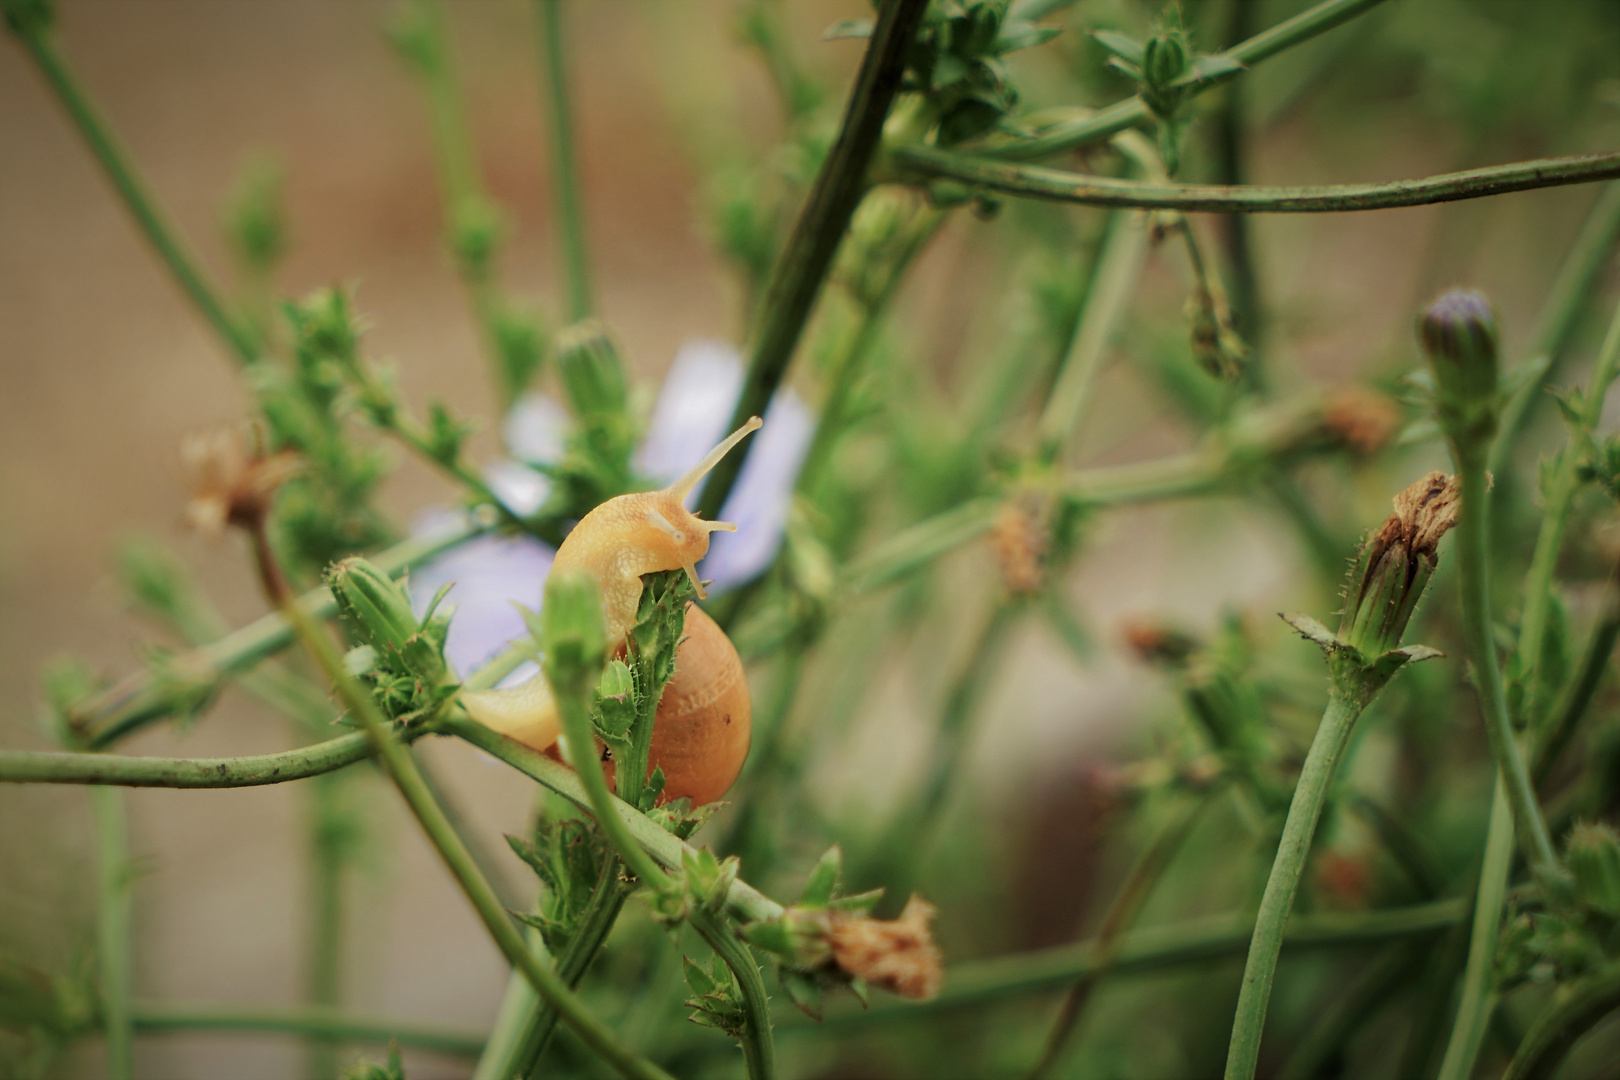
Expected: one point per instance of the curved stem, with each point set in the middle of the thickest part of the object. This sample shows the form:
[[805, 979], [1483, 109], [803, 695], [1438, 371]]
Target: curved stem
[[1277, 902], [1053, 185], [115, 162], [1478, 991], [114, 929], [1555, 1032], [759, 1049], [150, 1017], [567, 210], [254, 770], [807, 257]]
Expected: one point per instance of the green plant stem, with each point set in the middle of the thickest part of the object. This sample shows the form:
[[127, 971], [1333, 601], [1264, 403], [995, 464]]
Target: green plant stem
[[567, 210], [145, 697], [1053, 185], [1559, 499], [1277, 902], [759, 1048], [1108, 122], [1122, 911], [1583, 688], [1556, 1030], [808, 255], [254, 770], [1560, 314], [1478, 989], [114, 929], [1160, 948], [408, 778], [1473, 557], [309, 1022], [120, 171], [329, 845]]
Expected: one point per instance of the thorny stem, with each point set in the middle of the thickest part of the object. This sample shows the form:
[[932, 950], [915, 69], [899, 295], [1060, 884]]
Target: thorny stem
[[808, 254], [1122, 912], [145, 696], [120, 171], [1561, 489], [324, 1023], [408, 778], [1556, 1030], [1277, 902], [1110, 121], [759, 1049], [1478, 991], [114, 929], [568, 211], [1054, 185]]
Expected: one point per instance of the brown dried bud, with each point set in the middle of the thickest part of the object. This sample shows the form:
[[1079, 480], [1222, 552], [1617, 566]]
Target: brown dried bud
[[896, 954], [1155, 642], [232, 479], [1360, 419], [1394, 565], [1021, 540]]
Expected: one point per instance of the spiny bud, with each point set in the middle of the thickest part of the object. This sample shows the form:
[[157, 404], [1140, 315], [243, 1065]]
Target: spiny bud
[[1593, 852], [1164, 57], [1394, 565], [1459, 335], [591, 373], [572, 635], [375, 607]]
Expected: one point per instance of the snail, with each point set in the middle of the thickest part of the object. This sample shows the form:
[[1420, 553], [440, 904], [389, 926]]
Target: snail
[[701, 730]]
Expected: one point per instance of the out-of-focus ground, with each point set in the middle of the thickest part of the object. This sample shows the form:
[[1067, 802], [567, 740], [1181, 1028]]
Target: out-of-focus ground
[[103, 368]]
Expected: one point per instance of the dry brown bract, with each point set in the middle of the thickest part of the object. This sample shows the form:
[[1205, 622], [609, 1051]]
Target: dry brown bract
[[1423, 514], [231, 478], [1020, 540], [1361, 419], [898, 954]]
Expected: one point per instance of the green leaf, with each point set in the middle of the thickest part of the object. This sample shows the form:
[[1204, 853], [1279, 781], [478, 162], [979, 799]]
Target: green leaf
[[1313, 631], [1121, 45], [848, 28], [818, 890], [804, 990]]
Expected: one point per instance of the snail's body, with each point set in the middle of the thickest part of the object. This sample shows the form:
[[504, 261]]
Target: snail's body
[[701, 733]]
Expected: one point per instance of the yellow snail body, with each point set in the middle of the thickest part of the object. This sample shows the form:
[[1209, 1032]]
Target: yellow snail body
[[701, 732]]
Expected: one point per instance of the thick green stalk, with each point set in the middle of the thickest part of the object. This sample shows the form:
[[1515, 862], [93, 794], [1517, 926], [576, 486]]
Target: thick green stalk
[[145, 697], [1277, 902], [307, 1022], [1561, 489], [114, 929], [759, 1048], [1108, 122], [567, 210], [1556, 1031], [808, 255], [1473, 558], [120, 171], [1478, 984], [253, 770], [1196, 941], [408, 778], [1054, 185]]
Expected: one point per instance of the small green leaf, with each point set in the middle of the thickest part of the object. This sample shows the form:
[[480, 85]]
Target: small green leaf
[[848, 28], [818, 890], [1120, 45]]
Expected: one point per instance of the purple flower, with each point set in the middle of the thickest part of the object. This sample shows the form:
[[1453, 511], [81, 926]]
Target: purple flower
[[493, 575]]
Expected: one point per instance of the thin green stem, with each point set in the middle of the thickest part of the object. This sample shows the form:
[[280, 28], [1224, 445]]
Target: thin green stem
[[567, 209], [1473, 557], [120, 171], [808, 255], [114, 929], [1277, 902], [1054, 185], [1478, 983], [408, 778], [1556, 1030], [1106, 123], [759, 1048], [1160, 948], [147, 696], [330, 842], [254, 770], [1561, 489], [1583, 688], [325, 1023]]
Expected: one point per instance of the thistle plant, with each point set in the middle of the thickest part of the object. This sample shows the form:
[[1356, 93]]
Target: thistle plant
[[926, 553]]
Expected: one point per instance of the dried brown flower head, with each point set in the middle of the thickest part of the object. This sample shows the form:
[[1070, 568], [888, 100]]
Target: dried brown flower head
[[1394, 564], [231, 477], [1021, 539], [1156, 642], [1361, 419], [896, 954], [1423, 514]]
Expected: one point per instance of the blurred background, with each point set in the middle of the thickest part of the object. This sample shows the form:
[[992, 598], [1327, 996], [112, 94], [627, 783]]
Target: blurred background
[[104, 368]]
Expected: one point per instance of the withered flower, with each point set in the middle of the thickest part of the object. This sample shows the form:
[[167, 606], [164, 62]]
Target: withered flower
[[1021, 539], [232, 478], [1394, 565], [1360, 419], [895, 954]]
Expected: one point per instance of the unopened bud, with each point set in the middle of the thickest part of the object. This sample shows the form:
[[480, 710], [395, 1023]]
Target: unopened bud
[[28, 16], [375, 606], [572, 635], [1459, 335], [1394, 565], [591, 373], [1593, 852], [1164, 58]]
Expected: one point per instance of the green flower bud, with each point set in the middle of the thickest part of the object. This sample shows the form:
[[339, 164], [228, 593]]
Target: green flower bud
[[1164, 58], [28, 16], [591, 373], [476, 227], [1393, 566], [324, 328], [254, 221], [573, 638], [374, 606], [1459, 335], [1593, 853]]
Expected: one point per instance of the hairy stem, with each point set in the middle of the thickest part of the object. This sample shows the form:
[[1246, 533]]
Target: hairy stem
[[759, 1049], [1277, 902], [114, 929], [254, 770], [1053, 185]]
